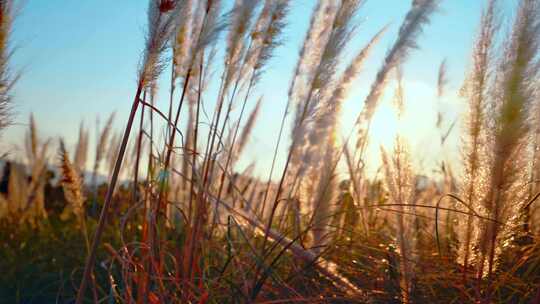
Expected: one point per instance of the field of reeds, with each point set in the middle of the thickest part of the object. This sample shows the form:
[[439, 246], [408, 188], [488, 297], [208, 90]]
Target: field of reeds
[[163, 213]]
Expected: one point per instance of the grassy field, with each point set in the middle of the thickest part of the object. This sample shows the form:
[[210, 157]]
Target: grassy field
[[177, 222]]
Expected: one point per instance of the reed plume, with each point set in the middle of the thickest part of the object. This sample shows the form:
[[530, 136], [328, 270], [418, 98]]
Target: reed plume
[[417, 17], [81, 150], [399, 180], [101, 147], [442, 79], [329, 113], [71, 183], [207, 26], [513, 100], [183, 39], [247, 130], [31, 138], [316, 37], [256, 35], [17, 189], [354, 68], [242, 15], [267, 38], [323, 203], [333, 41], [210, 26], [476, 90], [313, 40], [315, 128], [7, 78], [162, 16], [329, 110], [31, 200], [307, 131], [530, 216]]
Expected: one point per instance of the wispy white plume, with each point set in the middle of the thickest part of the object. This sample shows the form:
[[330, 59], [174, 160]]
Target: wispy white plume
[[71, 183], [442, 79], [319, 90], [81, 150], [211, 25], [268, 40], [242, 15], [311, 50], [410, 29], [330, 109], [248, 129], [474, 141], [514, 97], [183, 39], [162, 16]]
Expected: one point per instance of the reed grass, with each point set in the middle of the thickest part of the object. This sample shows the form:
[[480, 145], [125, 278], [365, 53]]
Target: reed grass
[[188, 224]]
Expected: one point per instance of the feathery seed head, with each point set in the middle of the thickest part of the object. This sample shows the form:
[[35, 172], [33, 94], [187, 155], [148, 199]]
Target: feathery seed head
[[409, 31], [71, 182]]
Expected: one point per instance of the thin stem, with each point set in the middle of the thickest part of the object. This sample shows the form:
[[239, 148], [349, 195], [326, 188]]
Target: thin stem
[[280, 135], [229, 156], [139, 146], [89, 265], [195, 136]]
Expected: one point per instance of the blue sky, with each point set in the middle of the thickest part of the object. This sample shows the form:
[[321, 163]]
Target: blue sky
[[79, 59]]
